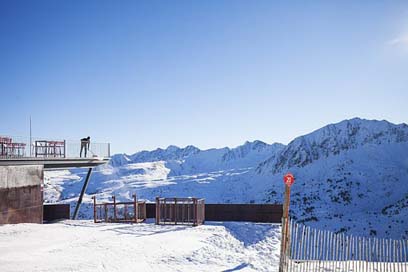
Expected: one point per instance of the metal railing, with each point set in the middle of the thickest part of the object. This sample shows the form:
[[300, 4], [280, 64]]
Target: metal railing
[[24, 147], [187, 211], [120, 212]]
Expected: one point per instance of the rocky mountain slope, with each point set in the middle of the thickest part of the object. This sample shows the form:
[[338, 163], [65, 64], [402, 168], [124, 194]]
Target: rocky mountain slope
[[350, 177]]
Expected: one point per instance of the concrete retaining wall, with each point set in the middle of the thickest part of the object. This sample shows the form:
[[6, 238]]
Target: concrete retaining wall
[[21, 197]]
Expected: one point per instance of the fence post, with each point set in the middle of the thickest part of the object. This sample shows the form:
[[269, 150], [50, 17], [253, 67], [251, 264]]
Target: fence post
[[195, 211], [285, 225], [106, 211], [203, 211], [175, 211], [135, 210], [94, 208], [157, 211], [282, 251], [114, 207]]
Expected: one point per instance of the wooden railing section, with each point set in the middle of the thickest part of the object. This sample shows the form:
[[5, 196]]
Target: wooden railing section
[[186, 211], [120, 212]]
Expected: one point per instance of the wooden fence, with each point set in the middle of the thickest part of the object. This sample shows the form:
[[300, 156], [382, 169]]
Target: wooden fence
[[55, 211], [310, 249], [187, 211], [120, 212], [266, 213]]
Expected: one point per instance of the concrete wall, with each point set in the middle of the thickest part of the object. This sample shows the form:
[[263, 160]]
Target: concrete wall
[[21, 197]]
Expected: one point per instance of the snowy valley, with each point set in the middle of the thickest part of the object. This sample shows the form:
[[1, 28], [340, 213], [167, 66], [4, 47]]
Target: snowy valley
[[351, 177]]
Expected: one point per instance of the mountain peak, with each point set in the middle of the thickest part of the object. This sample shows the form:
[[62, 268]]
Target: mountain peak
[[172, 148], [333, 139], [254, 143]]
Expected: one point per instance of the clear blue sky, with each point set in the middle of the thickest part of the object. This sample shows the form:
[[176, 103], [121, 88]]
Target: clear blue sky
[[149, 74]]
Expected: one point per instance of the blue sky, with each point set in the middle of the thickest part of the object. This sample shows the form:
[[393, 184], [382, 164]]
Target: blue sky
[[149, 74]]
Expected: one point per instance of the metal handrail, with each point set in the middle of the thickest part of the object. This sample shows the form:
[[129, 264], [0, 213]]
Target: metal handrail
[[25, 147]]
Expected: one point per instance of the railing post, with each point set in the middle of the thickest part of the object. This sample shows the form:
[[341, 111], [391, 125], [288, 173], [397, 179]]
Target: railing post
[[105, 206], [203, 211], [175, 211], [135, 208], [157, 211], [195, 220], [114, 208], [94, 208]]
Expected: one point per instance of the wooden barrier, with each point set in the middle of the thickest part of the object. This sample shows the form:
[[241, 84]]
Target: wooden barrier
[[263, 213], [119, 212], [56, 212], [187, 211], [244, 212], [311, 249]]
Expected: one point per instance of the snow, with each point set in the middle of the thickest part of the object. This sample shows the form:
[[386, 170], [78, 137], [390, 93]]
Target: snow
[[86, 246], [351, 177]]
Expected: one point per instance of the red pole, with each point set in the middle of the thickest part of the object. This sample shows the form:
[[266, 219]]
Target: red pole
[[287, 203], [288, 180]]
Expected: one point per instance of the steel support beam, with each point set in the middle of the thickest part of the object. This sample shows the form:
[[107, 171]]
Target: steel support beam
[[82, 194]]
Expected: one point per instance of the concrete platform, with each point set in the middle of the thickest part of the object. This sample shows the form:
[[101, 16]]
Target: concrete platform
[[21, 181], [55, 163]]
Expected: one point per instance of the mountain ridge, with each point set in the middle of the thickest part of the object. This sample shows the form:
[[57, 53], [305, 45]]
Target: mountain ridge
[[342, 172]]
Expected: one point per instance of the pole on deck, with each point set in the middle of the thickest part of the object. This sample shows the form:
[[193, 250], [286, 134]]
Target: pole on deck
[[74, 217]]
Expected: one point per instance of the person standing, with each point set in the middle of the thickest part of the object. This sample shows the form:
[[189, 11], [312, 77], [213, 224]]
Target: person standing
[[85, 143]]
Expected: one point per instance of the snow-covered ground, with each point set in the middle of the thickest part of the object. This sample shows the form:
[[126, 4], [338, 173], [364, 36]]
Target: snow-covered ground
[[351, 177], [85, 246]]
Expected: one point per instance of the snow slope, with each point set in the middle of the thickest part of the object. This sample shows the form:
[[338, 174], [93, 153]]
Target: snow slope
[[350, 177], [85, 246]]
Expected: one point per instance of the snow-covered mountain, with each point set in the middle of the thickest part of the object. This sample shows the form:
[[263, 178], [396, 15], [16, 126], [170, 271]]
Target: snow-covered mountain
[[351, 176], [333, 139]]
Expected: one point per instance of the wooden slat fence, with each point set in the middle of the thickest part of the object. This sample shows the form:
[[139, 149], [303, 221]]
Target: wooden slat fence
[[311, 249], [187, 211], [120, 212]]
